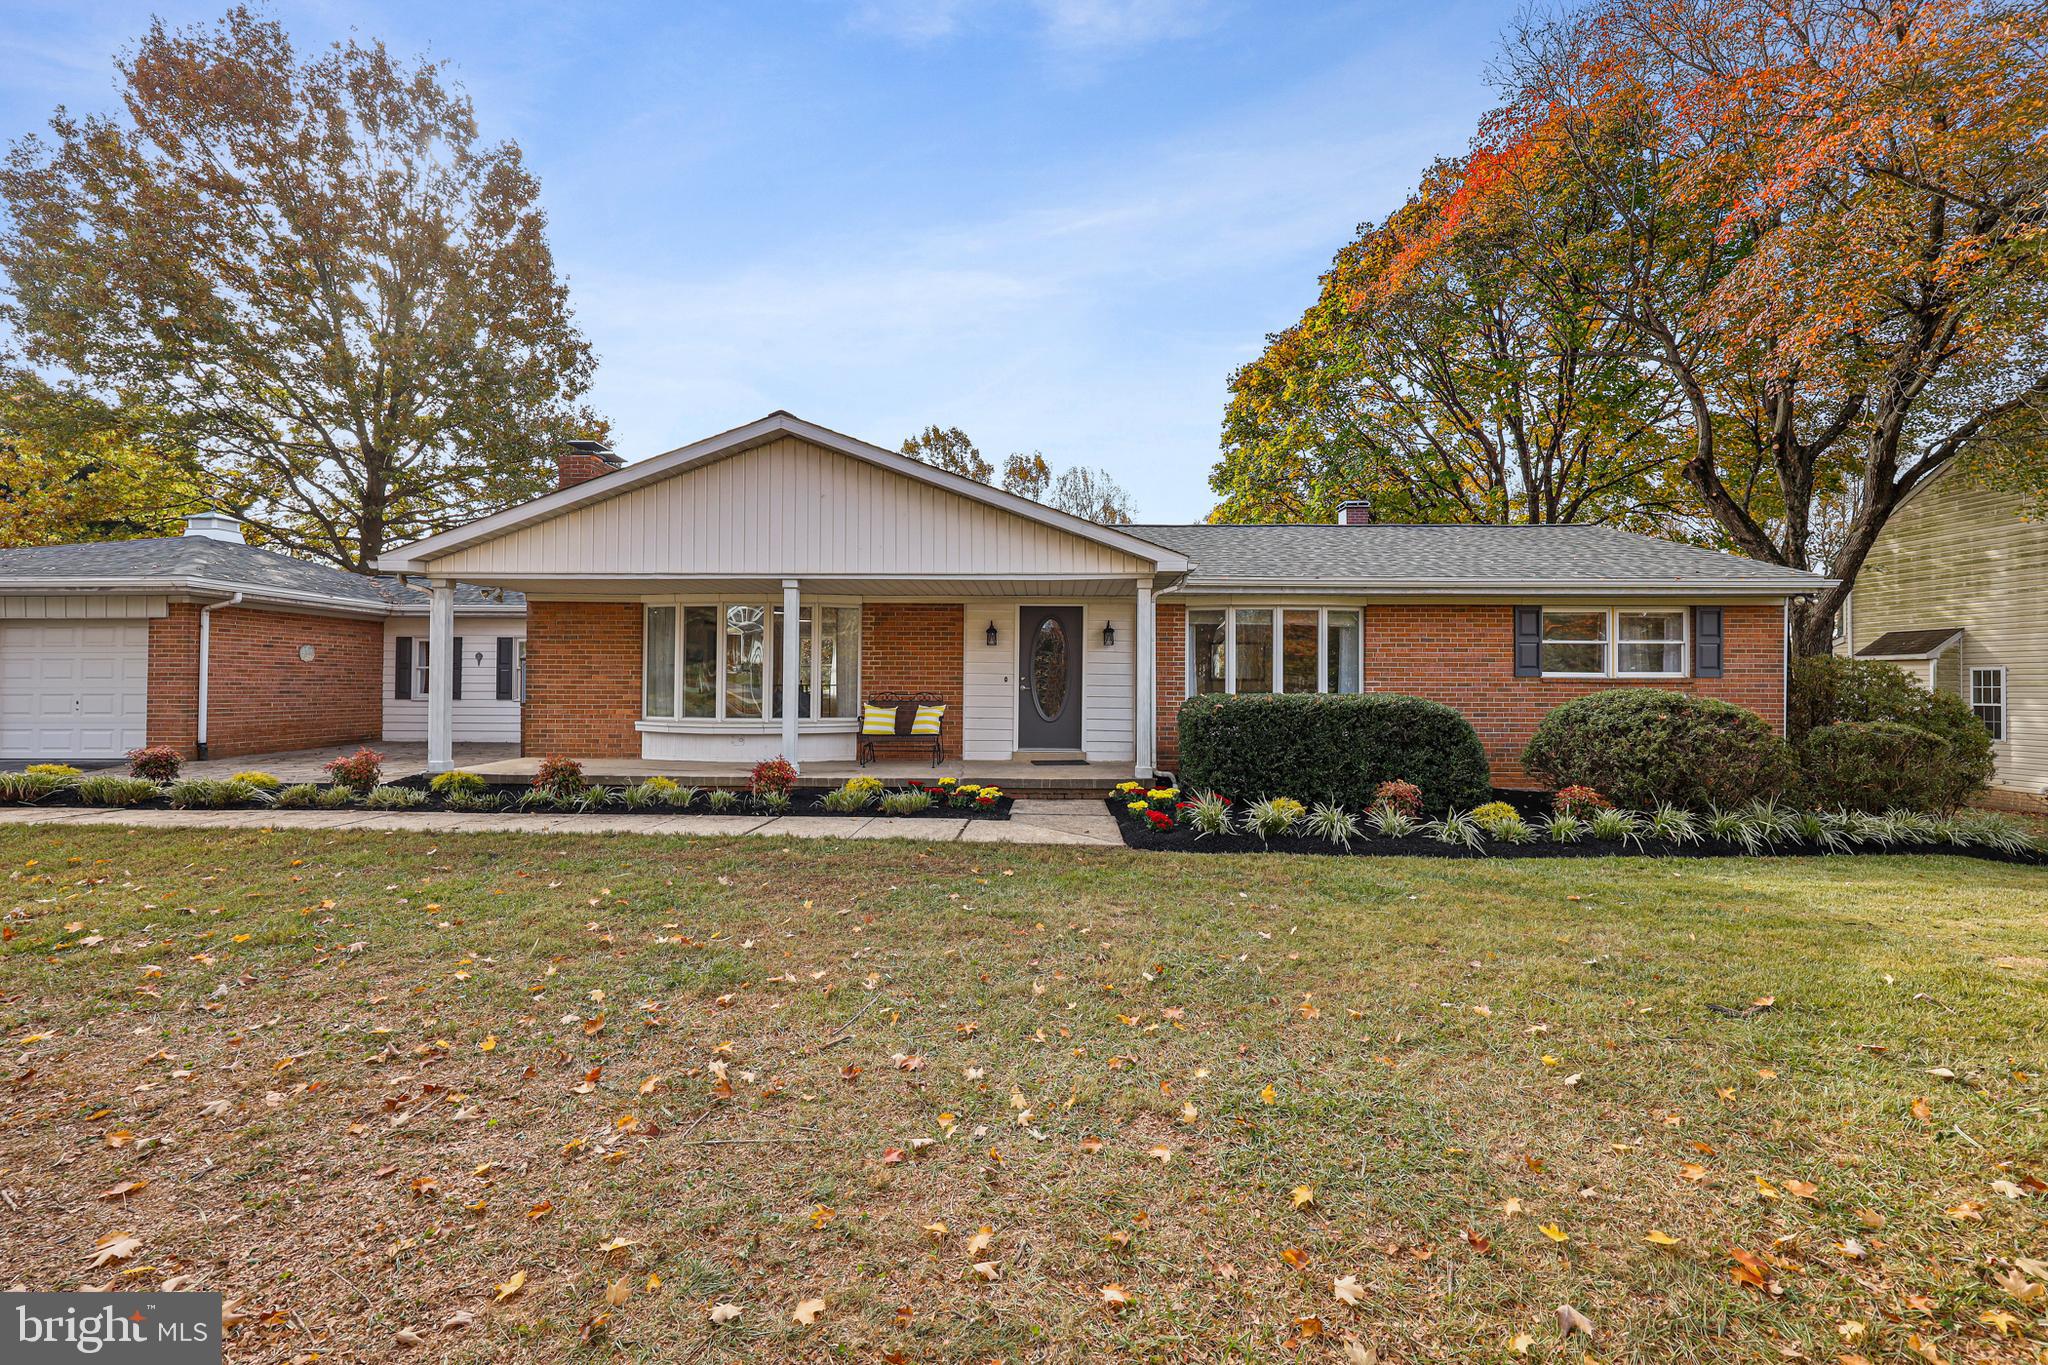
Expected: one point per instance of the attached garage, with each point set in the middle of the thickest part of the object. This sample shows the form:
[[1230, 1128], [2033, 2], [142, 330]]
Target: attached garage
[[72, 690]]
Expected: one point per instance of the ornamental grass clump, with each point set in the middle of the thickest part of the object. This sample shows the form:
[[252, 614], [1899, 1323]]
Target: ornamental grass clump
[[1333, 824], [394, 798], [298, 796], [208, 793], [114, 789], [857, 794], [1459, 828], [335, 797], [1390, 821], [912, 802], [1616, 826], [1272, 816], [1672, 825], [1208, 814], [722, 802], [30, 787], [1562, 827], [777, 803], [647, 796]]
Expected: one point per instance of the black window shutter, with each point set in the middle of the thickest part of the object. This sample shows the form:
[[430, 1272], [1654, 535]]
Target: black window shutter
[[1528, 642], [504, 668], [1706, 642], [455, 668], [402, 668]]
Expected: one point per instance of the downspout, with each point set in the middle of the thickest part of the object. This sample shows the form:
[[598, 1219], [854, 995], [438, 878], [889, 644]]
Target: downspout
[[205, 653]]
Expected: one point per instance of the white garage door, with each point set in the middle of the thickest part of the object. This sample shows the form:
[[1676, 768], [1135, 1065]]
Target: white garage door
[[73, 689]]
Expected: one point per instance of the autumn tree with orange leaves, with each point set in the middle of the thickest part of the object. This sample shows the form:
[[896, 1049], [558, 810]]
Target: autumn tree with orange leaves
[[1825, 223]]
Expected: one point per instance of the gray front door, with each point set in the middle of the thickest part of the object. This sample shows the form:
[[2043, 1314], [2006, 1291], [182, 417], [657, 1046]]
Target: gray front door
[[1049, 678]]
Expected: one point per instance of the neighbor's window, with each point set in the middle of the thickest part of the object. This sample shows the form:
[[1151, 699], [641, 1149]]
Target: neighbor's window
[[1234, 649], [1987, 698], [1208, 651], [724, 661], [1650, 642], [1575, 642]]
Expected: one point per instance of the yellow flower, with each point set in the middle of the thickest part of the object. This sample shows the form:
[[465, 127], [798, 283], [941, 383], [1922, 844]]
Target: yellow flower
[[1128, 787], [1137, 808]]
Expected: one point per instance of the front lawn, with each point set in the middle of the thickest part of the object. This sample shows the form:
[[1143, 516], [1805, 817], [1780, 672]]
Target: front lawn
[[953, 1103]]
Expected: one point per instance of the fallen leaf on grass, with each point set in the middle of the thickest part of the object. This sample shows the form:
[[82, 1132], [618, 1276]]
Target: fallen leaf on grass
[[124, 1189], [1570, 1320], [1303, 1196], [807, 1311], [1115, 1295], [511, 1286], [115, 1246], [725, 1312], [1348, 1290], [1553, 1232]]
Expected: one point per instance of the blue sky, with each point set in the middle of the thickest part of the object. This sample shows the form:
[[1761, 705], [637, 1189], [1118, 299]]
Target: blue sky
[[1057, 224]]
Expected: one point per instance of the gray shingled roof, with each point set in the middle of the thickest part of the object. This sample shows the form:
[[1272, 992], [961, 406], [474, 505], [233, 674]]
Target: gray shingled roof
[[181, 560], [1909, 644], [1446, 556]]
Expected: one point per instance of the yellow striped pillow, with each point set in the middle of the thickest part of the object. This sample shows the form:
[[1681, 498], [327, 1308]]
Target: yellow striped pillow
[[927, 722], [877, 720]]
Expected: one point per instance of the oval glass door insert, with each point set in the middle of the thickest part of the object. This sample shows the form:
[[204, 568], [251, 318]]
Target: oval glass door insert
[[1049, 669]]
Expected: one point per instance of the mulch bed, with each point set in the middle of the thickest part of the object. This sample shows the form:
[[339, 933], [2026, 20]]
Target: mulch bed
[[1181, 839], [804, 802]]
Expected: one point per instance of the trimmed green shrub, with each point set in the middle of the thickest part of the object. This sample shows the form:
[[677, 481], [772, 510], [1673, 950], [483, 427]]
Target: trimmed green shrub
[[258, 779], [1645, 747], [58, 770], [1827, 690], [1331, 747], [1876, 765], [456, 780]]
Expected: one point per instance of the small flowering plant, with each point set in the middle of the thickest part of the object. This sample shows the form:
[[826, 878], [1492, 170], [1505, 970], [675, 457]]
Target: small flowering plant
[[1404, 797], [1163, 798], [1129, 788], [360, 771], [1138, 807], [1159, 819], [157, 762], [1581, 801], [773, 776], [986, 797], [962, 795]]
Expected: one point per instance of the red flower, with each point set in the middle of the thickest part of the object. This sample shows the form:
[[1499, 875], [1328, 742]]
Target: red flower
[[1160, 819]]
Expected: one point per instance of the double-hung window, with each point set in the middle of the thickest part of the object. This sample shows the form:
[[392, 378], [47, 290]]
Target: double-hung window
[[724, 661], [1274, 649], [1987, 698], [1617, 642]]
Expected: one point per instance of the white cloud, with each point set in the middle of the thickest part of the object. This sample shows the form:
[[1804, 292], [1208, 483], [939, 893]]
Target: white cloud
[[913, 21], [1098, 26]]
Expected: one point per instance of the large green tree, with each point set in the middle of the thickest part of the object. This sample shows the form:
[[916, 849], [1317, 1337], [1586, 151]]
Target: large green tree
[[316, 273], [1477, 384], [73, 468]]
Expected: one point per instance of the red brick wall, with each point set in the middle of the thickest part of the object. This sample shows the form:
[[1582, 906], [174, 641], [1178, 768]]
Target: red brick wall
[[262, 696], [1169, 679], [1463, 656], [582, 679], [917, 647]]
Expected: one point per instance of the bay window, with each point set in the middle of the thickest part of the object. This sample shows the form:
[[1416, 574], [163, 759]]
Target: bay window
[[1275, 649], [724, 661], [1606, 642]]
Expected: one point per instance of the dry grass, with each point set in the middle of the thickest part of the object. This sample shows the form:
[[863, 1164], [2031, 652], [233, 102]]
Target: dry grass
[[285, 1036]]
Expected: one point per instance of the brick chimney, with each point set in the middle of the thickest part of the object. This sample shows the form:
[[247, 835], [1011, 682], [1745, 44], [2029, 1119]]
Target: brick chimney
[[581, 461], [1357, 512]]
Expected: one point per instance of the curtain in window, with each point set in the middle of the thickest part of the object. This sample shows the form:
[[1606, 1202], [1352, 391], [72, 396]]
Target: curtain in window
[[659, 668], [1340, 652]]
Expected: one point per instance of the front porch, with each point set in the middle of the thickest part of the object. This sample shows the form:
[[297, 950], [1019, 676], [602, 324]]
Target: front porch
[[1017, 777]]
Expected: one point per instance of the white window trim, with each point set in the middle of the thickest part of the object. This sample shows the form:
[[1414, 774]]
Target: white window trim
[[1970, 686], [519, 670], [1279, 610], [1610, 648], [421, 648], [767, 721]]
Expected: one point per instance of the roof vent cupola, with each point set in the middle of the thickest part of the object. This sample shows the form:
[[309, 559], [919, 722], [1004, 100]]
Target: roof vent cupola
[[215, 526]]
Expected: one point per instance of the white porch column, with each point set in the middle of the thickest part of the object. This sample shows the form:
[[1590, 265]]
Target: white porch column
[[441, 666], [792, 671], [1148, 690]]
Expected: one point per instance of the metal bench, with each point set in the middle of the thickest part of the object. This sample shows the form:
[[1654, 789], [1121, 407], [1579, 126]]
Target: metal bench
[[906, 705]]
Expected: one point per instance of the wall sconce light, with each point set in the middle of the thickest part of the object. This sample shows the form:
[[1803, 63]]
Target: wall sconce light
[[1108, 634], [479, 658], [990, 634]]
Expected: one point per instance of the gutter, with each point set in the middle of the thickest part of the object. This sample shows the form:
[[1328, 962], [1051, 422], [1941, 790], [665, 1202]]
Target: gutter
[[205, 655], [283, 597], [1451, 587]]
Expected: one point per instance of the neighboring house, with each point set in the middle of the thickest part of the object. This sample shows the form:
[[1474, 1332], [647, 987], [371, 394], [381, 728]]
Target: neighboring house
[[666, 598], [101, 649], [1953, 591]]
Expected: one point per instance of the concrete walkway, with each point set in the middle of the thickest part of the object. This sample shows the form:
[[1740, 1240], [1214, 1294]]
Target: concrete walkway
[[1084, 823]]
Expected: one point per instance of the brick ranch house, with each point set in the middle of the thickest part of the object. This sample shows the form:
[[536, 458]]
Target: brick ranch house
[[740, 597], [210, 645]]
